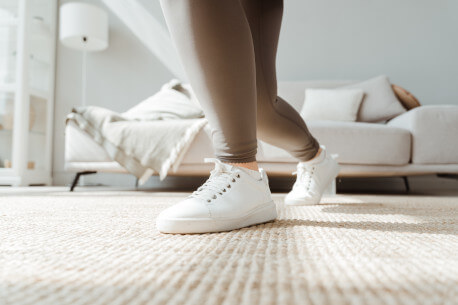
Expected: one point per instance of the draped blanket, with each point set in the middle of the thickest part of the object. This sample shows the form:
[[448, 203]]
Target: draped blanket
[[151, 137]]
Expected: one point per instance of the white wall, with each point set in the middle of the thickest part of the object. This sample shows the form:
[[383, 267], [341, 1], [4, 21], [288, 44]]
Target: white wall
[[414, 42]]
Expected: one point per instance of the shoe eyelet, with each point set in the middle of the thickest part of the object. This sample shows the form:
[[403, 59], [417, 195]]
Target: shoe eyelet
[[238, 175], [224, 190], [233, 180], [228, 186], [208, 200], [214, 196]]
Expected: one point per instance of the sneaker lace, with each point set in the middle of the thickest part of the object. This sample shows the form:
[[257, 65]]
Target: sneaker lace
[[218, 183], [304, 175]]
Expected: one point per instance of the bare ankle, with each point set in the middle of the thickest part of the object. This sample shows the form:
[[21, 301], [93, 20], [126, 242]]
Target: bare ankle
[[250, 165]]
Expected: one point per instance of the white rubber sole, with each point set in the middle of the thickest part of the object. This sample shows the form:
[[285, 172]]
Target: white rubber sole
[[264, 213], [300, 201]]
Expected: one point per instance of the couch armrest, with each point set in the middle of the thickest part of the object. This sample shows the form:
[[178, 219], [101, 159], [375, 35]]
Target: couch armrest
[[434, 132]]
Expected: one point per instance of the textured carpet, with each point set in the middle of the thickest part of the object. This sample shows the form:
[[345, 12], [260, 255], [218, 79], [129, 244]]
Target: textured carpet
[[103, 248]]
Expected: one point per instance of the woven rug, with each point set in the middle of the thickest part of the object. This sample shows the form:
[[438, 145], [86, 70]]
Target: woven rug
[[103, 248]]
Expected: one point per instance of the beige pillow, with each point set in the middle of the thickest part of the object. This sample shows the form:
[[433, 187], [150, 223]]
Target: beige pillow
[[380, 102], [332, 104], [171, 102]]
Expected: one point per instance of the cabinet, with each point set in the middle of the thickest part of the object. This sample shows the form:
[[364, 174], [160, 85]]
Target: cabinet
[[27, 60]]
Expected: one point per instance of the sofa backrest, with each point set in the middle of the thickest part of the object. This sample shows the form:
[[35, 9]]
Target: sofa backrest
[[294, 91]]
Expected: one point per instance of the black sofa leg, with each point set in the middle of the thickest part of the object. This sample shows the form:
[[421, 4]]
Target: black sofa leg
[[406, 183], [77, 177], [448, 176], [136, 183]]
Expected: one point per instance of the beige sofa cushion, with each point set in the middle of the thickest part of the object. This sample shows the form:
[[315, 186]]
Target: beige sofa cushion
[[331, 104], [80, 147], [294, 92], [380, 103], [434, 130], [355, 142]]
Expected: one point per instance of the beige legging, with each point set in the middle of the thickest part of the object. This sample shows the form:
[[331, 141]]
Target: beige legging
[[228, 49]]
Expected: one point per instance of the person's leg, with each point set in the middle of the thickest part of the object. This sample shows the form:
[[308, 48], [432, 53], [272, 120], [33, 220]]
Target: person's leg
[[214, 42], [278, 123]]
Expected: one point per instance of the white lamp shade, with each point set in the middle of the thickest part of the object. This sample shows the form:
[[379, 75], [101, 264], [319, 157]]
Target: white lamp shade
[[83, 26]]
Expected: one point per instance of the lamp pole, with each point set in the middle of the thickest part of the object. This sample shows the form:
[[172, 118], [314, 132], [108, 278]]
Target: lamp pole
[[83, 74]]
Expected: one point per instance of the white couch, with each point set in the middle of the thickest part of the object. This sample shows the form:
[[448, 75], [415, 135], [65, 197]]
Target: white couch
[[421, 141]]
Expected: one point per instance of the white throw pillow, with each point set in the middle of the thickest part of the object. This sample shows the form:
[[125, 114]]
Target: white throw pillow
[[380, 102], [332, 104], [171, 102]]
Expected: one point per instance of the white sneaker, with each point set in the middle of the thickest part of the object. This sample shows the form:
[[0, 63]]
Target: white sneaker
[[233, 197], [312, 179]]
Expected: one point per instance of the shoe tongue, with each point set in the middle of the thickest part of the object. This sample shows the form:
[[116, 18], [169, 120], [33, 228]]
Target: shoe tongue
[[220, 167], [252, 173], [231, 168], [225, 167]]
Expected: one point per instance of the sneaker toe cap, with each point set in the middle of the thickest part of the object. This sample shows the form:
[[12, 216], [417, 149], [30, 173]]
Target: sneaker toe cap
[[190, 208], [301, 199]]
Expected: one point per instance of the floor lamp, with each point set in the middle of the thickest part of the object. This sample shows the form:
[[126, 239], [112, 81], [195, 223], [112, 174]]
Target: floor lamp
[[83, 27]]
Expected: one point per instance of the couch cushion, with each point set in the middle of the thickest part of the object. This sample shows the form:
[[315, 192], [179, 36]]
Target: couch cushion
[[434, 130], [80, 147], [331, 104], [380, 103], [294, 91], [200, 148], [355, 142]]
